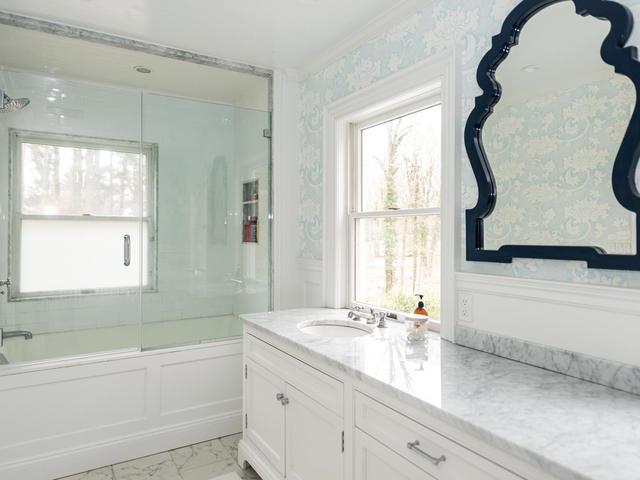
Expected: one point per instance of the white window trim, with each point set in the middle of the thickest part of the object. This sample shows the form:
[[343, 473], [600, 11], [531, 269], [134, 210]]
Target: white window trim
[[355, 210], [16, 137], [437, 74]]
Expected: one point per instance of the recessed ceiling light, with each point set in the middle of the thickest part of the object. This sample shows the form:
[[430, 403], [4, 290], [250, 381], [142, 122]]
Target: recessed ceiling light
[[530, 68], [142, 69], [51, 99]]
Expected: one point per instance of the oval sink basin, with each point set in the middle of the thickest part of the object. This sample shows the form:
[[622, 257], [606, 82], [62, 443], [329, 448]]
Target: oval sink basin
[[335, 328]]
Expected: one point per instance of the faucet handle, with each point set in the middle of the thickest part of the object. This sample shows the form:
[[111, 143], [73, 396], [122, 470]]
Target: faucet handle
[[382, 319]]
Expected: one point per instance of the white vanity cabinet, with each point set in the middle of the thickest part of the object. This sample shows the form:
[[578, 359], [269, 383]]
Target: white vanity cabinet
[[304, 424], [293, 416]]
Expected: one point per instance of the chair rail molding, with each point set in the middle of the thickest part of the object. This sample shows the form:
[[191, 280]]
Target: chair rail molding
[[438, 73]]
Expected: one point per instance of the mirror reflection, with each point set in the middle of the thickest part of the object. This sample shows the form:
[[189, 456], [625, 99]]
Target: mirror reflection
[[554, 135]]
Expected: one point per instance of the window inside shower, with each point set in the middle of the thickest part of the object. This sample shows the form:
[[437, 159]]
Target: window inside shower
[[121, 199], [68, 191]]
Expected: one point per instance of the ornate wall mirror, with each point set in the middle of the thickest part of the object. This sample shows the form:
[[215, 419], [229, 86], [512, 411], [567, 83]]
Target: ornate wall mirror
[[554, 138]]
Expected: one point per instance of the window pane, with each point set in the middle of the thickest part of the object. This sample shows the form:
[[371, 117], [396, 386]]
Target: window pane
[[59, 180], [397, 258], [58, 255], [401, 162]]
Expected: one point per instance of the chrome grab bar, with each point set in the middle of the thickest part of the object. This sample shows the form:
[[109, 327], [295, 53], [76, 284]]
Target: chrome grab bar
[[435, 460], [127, 250]]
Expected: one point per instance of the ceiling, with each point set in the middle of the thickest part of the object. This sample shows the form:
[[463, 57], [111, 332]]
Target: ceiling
[[273, 33], [58, 57]]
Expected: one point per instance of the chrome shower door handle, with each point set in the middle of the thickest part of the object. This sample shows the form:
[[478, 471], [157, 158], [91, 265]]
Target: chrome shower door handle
[[127, 250]]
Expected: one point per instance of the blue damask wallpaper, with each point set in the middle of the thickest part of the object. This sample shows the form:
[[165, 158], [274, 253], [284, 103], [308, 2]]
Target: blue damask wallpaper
[[468, 23]]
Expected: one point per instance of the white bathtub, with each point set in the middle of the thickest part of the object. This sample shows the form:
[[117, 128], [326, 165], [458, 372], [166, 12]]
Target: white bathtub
[[67, 415], [56, 345]]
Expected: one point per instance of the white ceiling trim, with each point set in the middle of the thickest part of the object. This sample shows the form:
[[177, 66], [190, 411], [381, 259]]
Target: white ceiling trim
[[96, 36], [369, 31]]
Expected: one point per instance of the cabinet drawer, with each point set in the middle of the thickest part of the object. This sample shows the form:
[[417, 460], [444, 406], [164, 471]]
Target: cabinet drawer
[[323, 388], [396, 431], [374, 461]]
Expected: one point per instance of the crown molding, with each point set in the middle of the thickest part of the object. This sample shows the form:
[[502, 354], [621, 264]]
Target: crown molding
[[370, 30]]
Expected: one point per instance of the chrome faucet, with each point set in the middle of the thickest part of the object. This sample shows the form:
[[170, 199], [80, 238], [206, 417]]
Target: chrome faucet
[[378, 317], [356, 313], [14, 333]]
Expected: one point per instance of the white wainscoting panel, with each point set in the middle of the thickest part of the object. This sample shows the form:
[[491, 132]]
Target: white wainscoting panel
[[69, 417], [312, 283], [599, 321]]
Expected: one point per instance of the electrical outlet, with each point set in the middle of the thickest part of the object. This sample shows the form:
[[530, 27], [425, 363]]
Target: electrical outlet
[[465, 307]]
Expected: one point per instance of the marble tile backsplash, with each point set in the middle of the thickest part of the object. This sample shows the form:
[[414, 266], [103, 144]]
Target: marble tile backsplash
[[604, 372]]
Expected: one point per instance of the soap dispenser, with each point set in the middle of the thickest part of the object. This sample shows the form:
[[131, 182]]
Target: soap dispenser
[[420, 310]]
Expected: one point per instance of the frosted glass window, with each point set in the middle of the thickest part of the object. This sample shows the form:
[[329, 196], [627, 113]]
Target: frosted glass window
[[74, 200], [88, 255]]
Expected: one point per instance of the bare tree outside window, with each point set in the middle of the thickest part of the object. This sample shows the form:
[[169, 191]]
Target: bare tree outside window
[[397, 218]]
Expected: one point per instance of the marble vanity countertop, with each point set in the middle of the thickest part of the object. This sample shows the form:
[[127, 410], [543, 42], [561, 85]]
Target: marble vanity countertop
[[569, 428]]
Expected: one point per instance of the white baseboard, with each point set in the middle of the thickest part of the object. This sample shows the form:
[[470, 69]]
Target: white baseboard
[[73, 460]]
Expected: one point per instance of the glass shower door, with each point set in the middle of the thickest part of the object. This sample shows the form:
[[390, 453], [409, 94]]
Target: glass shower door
[[77, 191], [213, 233]]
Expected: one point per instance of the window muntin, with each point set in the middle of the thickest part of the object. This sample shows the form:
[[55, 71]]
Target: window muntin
[[73, 200], [395, 213]]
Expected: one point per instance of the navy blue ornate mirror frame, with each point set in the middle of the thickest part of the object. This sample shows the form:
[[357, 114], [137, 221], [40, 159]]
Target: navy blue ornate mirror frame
[[624, 60]]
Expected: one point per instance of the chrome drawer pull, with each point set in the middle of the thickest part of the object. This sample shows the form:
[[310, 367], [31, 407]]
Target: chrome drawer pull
[[435, 460]]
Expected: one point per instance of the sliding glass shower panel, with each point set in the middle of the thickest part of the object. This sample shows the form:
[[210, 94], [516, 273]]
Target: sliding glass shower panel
[[212, 239], [78, 184]]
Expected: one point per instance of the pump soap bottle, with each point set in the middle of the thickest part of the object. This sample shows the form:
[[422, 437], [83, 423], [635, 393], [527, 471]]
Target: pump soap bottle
[[420, 310]]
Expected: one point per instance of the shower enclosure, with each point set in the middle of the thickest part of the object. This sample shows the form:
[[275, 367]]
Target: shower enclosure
[[134, 198]]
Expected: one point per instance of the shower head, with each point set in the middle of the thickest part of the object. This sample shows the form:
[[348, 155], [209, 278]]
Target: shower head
[[9, 105]]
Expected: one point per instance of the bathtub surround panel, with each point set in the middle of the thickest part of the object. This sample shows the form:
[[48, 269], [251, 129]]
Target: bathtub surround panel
[[117, 407]]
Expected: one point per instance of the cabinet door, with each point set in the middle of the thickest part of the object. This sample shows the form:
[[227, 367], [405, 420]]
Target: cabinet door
[[374, 461], [314, 439], [265, 426]]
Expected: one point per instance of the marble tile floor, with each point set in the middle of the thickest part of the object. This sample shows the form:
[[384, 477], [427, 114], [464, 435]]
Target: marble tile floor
[[203, 461]]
